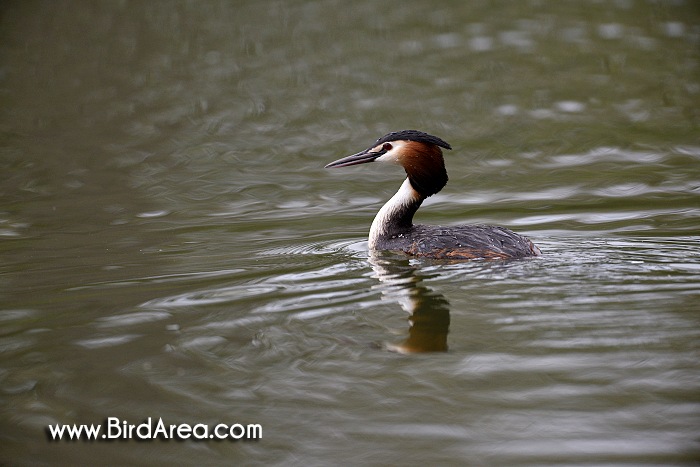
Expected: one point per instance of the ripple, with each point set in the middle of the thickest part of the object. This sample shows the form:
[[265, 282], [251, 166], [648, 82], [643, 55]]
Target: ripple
[[312, 248], [152, 214], [570, 106], [314, 304], [230, 294], [100, 342], [160, 279], [131, 319], [202, 342], [602, 154]]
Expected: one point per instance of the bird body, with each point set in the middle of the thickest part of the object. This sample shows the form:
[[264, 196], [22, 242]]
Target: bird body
[[421, 157]]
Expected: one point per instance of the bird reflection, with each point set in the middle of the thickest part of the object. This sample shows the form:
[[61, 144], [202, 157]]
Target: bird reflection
[[429, 311]]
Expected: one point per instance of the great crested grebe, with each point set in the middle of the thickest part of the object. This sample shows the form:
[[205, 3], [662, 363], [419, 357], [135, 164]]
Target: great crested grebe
[[393, 229]]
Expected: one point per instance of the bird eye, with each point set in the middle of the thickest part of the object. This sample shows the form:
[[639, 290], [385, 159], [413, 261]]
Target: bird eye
[[387, 147]]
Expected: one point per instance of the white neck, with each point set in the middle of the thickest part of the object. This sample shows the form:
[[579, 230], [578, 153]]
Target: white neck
[[395, 215]]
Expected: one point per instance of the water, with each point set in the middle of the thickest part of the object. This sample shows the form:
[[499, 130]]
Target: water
[[172, 247]]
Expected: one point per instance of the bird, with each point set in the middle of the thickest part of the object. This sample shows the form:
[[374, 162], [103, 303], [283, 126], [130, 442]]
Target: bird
[[420, 154]]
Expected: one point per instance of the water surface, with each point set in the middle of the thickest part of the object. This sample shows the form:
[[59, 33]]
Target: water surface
[[172, 246]]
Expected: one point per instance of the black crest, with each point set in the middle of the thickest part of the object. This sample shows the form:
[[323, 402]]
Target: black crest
[[413, 135]]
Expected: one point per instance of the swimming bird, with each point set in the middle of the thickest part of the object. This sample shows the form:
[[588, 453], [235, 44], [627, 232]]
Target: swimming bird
[[420, 155]]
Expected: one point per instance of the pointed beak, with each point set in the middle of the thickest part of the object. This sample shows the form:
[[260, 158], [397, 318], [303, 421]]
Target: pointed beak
[[359, 158]]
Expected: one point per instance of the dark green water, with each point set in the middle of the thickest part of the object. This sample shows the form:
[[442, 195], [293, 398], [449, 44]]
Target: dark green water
[[171, 246]]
